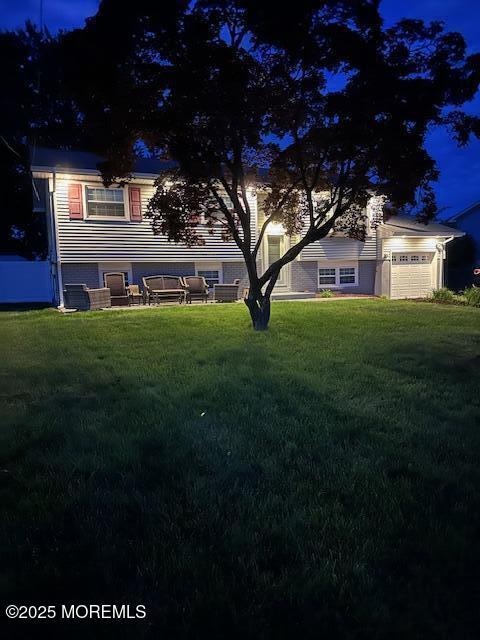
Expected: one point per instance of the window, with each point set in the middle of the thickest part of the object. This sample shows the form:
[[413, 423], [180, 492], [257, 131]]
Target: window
[[414, 258], [326, 276], [105, 203], [337, 276], [212, 277], [115, 267], [347, 275]]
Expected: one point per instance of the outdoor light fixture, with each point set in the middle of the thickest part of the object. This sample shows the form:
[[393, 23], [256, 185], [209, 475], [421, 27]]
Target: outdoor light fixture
[[276, 229]]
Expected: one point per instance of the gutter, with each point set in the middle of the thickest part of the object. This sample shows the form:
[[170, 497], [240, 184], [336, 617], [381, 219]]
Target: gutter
[[443, 263], [87, 172]]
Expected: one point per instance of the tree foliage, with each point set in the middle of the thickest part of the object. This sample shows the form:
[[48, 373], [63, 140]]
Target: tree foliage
[[34, 110], [334, 104]]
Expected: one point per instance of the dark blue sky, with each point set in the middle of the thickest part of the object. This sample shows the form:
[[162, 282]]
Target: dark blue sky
[[459, 184]]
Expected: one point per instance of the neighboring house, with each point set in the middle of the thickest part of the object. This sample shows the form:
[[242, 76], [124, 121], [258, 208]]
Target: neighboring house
[[93, 230], [468, 221]]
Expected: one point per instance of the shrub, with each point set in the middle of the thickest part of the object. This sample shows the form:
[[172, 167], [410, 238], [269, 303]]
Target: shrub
[[472, 296], [443, 295], [326, 293]]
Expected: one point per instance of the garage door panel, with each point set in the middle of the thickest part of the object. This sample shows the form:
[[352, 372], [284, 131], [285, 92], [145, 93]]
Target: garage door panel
[[412, 275]]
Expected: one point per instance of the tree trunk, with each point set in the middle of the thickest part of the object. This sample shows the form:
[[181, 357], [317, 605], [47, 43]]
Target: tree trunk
[[259, 307]]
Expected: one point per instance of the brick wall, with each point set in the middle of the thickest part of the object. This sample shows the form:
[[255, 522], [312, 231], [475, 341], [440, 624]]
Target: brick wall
[[304, 277], [143, 269], [366, 278], [234, 270], [81, 273]]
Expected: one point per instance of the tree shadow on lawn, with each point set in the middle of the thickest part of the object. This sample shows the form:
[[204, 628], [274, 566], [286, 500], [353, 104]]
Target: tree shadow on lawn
[[286, 509]]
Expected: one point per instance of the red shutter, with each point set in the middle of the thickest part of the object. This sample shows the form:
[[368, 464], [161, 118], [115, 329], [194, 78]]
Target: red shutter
[[135, 204], [75, 202]]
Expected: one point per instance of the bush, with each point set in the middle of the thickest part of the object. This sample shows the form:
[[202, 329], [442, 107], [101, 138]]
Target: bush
[[443, 295], [472, 296], [326, 293]]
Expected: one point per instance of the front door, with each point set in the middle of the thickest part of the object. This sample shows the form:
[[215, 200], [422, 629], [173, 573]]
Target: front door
[[275, 250]]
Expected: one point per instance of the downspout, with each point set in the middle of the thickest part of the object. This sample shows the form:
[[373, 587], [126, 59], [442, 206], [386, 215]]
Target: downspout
[[55, 252], [380, 264], [441, 267]]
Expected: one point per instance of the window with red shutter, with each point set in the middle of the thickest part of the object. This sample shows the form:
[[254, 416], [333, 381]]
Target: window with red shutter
[[135, 204], [75, 201]]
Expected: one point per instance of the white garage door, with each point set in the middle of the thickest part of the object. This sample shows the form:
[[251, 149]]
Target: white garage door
[[412, 275]]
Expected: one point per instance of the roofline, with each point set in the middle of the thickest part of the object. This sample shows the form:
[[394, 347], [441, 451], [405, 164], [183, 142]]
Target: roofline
[[86, 172], [464, 211], [449, 231]]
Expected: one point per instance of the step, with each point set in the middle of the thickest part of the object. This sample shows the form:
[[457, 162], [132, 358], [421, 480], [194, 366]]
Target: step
[[292, 295]]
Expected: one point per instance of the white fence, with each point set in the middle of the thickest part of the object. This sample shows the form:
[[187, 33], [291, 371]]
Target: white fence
[[24, 281]]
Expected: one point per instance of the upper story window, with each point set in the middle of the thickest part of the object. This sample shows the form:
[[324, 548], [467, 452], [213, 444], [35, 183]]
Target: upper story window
[[105, 203]]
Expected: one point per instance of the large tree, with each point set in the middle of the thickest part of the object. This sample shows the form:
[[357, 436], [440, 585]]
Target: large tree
[[334, 104], [34, 110]]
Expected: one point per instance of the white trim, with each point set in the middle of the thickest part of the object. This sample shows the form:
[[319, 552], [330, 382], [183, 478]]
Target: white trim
[[107, 267], [210, 266], [337, 265], [65, 174], [126, 213], [52, 203], [284, 282]]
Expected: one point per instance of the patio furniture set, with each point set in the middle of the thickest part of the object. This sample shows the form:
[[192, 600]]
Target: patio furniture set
[[156, 289]]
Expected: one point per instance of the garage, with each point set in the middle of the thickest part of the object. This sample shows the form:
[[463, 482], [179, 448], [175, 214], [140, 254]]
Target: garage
[[412, 275]]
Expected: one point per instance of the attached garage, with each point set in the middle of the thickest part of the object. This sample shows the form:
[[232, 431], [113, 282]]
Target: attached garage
[[412, 274]]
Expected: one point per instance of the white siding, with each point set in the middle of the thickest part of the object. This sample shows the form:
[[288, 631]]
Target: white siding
[[338, 248], [410, 244], [112, 240]]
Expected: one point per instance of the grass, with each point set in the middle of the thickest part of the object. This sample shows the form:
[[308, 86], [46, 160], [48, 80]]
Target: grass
[[320, 480]]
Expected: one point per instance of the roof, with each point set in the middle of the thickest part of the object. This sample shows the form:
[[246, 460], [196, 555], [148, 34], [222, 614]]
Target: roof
[[405, 226], [43, 158], [463, 212]]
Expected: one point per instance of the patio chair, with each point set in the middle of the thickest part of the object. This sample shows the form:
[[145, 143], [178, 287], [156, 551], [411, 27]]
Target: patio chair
[[134, 294], [226, 292], [196, 288], [118, 291], [159, 288], [80, 297]]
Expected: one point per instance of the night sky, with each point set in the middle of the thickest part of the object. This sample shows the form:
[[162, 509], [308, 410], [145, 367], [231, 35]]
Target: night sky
[[459, 184]]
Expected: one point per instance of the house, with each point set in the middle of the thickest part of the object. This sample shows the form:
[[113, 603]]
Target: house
[[461, 270], [93, 230]]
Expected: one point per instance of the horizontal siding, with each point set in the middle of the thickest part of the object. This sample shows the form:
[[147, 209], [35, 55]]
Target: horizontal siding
[[341, 249], [410, 244], [332, 248], [109, 240]]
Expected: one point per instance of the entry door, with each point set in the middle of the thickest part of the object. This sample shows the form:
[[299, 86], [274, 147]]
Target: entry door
[[275, 250]]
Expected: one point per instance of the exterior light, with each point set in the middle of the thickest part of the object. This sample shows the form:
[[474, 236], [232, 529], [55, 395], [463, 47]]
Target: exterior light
[[276, 229]]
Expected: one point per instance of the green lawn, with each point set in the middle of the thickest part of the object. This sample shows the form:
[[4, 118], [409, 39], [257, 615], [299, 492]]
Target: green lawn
[[319, 480]]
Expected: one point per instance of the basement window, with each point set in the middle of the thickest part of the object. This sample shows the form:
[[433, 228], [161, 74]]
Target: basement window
[[337, 276]]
